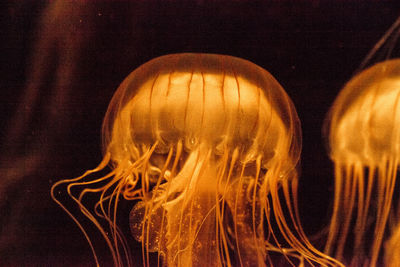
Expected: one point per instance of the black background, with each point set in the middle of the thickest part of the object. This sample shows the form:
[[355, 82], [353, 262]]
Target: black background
[[61, 62]]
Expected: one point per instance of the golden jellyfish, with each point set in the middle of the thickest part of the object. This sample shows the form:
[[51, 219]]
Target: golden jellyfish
[[206, 148], [364, 143]]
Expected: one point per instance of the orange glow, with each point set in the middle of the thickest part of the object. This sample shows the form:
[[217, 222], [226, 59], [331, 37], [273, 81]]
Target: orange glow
[[364, 145], [206, 148]]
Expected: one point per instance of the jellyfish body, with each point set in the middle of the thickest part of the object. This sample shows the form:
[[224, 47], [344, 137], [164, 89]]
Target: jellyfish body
[[207, 146], [365, 148]]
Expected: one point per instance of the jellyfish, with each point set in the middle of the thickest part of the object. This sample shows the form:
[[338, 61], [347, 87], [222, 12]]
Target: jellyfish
[[364, 141], [206, 148]]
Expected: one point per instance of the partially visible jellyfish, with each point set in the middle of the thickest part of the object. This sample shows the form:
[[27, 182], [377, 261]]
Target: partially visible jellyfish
[[364, 142], [207, 147]]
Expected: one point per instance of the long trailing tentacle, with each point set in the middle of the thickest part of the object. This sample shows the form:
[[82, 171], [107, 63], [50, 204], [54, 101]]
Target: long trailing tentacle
[[234, 159], [265, 190], [119, 182], [235, 214], [334, 227], [290, 189], [101, 166], [220, 234], [296, 238], [388, 177]]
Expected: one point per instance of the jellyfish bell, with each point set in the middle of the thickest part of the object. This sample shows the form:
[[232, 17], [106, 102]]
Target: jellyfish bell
[[207, 147], [363, 130], [198, 98], [369, 102]]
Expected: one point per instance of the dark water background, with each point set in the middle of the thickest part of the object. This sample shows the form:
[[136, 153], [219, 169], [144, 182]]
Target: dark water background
[[61, 62]]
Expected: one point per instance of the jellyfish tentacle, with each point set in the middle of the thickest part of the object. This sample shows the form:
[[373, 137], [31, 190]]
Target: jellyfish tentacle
[[310, 253], [349, 197], [220, 230], [278, 213], [267, 188], [84, 210], [90, 216], [382, 219], [304, 248], [359, 225], [117, 237], [234, 159], [253, 210], [101, 166], [308, 249], [333, 228], [380, 216], [235, 213], [370, 183], [392, 32], [292, 187]]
